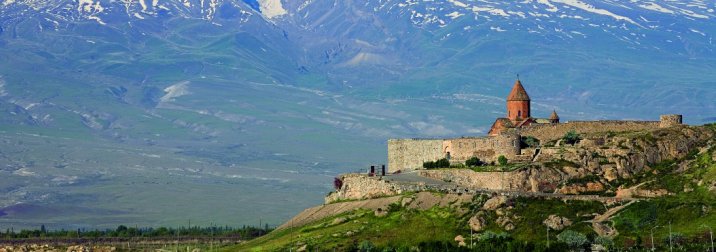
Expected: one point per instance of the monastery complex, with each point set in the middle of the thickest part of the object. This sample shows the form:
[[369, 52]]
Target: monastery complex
[[505, 136]]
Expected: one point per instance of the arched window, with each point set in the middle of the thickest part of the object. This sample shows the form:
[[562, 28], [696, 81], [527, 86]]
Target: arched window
[[519, 113]]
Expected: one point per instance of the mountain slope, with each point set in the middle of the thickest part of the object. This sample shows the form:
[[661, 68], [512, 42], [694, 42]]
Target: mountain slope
[[285, 95]]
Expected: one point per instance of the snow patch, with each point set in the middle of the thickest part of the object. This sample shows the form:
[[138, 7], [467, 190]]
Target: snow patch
[[150, 155], [454, 15], [551, 6], [364, 58], [272, 8], [458, 3], [24, 172], [143, 4], [590, 8], [492, 11], [697, 31], [176, 90], [95, 18], [2, 87], [656, 7]]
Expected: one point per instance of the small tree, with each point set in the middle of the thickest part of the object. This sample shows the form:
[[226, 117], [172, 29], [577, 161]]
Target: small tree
[[502, 160], [571, 137], [572, 238], [474, 161], [529, 141]]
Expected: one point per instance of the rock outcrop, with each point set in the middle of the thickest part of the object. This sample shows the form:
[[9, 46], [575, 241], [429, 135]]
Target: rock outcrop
[[494, 203], [556, 222], [589, 187], [477, 223]]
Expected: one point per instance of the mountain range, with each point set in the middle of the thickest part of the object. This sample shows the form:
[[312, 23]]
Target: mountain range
[[158, 112]]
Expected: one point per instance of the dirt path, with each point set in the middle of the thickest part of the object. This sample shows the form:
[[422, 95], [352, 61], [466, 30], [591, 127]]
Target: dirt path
[[600, 225]]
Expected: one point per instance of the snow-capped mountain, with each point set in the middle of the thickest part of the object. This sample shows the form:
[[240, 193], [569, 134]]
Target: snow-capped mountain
[[278, 96]]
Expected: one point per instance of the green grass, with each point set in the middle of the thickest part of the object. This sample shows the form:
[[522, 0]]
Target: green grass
[[401, 227], [499, 168], [533, 211]]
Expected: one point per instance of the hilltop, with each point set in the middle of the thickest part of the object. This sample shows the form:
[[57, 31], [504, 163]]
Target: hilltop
[[608, 190]]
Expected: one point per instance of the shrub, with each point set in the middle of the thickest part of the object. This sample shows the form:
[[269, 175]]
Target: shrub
[[337, 183], [366, 246], [502, 160], [571, 137], [441, 163], [429, 165], [572, 238], [607, 242], [529, 141], [489, 235], [474, 161]]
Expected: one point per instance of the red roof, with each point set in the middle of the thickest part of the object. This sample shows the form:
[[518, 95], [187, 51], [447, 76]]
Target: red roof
[[518, 93]]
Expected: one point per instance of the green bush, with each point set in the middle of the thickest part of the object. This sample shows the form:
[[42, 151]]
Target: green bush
[[489, 235], [441, 163], [607, 242], [474, 161], [366, 246], [529, 141], [502, 160], [572, 238], [571, 137]]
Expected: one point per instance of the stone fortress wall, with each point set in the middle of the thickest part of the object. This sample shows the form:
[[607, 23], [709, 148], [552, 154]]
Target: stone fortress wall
[[485, 148], [409, 154], [549, 132]]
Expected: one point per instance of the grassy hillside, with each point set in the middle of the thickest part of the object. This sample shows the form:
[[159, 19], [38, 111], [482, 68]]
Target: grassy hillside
[[683, 219]]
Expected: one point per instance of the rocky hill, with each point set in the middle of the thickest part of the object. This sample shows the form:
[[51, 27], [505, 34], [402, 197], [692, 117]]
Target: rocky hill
[[609, 190]]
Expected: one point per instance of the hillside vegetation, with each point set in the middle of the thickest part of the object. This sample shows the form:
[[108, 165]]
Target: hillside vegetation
[[682, 215]]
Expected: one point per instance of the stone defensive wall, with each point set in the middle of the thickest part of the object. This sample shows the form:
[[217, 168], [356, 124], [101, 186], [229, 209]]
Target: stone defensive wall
[[407, 154], [514, 184], [485, 148], [549, 132], [410, 154]]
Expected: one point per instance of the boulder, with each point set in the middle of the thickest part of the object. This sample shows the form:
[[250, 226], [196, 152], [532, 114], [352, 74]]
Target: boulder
[[611, 174], [302, 248], [582, 188], [406, 201], [339, 220], [77, 248], [494, 203], [477, 223], [380, 212], [460, 241], [558, 223], [506, 223]]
